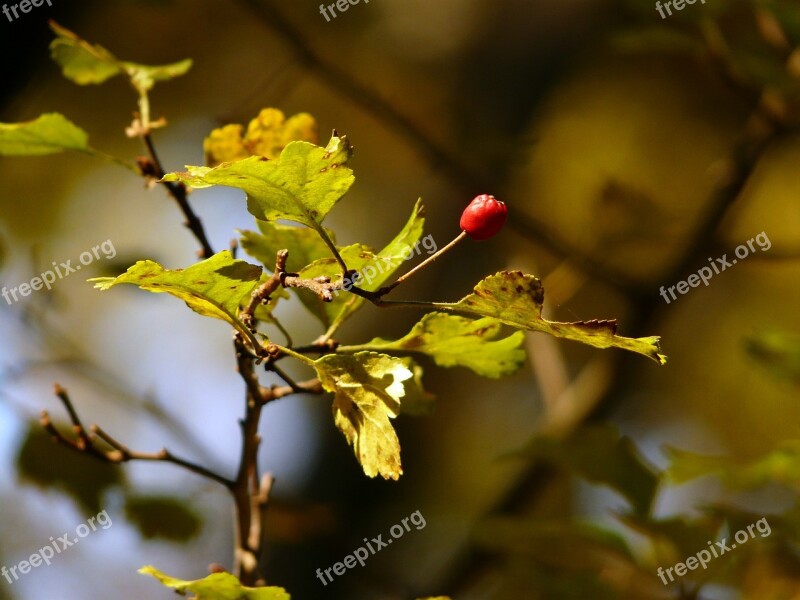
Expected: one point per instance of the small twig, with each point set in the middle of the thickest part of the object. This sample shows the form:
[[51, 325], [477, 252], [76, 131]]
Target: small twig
[[321, 286], [283, 330], [86, 444], [179, 193], [282, 374]]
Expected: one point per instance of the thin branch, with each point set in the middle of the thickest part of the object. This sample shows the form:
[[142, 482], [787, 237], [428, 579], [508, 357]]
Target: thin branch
[[248, 550], [179, 193], [86, 444], [283, 375]]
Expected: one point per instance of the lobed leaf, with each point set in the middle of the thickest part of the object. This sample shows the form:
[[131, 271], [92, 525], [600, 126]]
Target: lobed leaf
[[454, 341], [516, 299], [304, 245], [368, 388], [50, 133], [374, 270], [218, 586], [214, 287], [303, 185]]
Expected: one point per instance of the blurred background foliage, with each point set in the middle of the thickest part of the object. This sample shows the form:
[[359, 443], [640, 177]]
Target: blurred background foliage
[[630, 148]]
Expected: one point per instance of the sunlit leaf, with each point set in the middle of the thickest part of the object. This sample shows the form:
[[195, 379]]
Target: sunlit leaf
[[454, 341], [602, 456], [303, 185], [86, 63], [368, 388], [267, 135], [304, 245], [50, 133], [357, 257], [162, 517], [218, 586], [374, 270], [42, 462], [517, 299], [781, 465], [214, 287]]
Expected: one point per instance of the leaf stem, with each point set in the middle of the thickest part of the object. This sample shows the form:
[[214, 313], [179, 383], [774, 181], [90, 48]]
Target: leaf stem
[[94, 152], [329, 242]]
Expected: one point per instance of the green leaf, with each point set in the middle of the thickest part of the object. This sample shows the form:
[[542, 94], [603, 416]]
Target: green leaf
[[303, 185], [162, 517], [374, 270], [85, 63], [781, 465], [454, 341], [601, 455], [356, 257], [517, 300], [214, 287], [144, 77], [368, 388], [80, 61], [218, 586], [41, 462], [304, 245], [48, 134]]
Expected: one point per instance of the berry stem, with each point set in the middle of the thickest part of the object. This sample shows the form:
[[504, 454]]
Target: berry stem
[[385, 290]]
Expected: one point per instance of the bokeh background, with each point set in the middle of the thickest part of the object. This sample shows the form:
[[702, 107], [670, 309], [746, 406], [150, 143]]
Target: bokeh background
[[629, 148]]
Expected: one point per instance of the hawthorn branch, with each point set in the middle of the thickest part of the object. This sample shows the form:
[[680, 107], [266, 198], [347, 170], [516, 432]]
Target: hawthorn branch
[[86, 443], [251, 491], [321, 286], [179, 192]]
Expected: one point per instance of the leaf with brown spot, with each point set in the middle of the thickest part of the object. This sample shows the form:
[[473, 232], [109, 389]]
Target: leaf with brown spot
[[214, 287], [523, 310]]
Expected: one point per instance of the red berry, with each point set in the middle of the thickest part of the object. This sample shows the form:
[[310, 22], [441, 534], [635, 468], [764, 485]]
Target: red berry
[[483, 217]]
